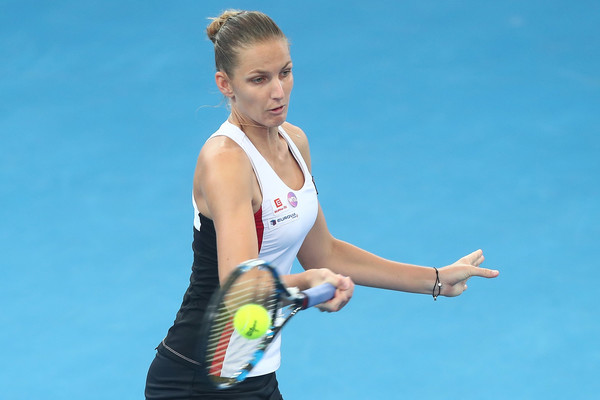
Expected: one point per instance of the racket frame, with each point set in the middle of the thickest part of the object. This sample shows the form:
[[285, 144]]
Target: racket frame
[[291, 300]]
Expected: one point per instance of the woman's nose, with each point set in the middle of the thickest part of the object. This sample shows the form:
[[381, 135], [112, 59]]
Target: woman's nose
[[277, 91]]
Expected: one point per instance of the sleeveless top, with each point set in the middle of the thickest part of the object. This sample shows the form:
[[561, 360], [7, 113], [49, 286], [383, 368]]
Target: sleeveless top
[[282, 222]]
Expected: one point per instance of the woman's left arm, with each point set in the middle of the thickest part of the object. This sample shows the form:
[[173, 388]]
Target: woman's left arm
[[321, 250]]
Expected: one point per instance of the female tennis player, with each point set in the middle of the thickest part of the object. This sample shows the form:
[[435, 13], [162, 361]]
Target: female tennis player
[[254, 197]]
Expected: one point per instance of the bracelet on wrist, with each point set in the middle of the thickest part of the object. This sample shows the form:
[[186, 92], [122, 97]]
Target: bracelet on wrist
[[437, 286]]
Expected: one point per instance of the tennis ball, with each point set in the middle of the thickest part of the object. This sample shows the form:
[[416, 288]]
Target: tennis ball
[[251, 321]]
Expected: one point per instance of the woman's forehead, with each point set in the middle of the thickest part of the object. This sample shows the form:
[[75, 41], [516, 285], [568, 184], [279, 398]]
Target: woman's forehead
[[269, 55]]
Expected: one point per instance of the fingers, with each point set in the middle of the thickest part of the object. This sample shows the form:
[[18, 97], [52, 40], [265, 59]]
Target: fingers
[[485, 272], [348, 284], [475, 258], [343, 294]]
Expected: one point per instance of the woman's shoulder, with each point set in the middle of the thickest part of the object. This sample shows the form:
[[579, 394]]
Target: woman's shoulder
[[222, 151], [294, 132], [299, 138]]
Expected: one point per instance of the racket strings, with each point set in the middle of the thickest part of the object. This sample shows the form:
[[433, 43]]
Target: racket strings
[[228, 353]]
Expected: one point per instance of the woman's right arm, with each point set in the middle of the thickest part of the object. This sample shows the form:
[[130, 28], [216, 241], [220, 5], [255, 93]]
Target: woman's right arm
[[224, 190]]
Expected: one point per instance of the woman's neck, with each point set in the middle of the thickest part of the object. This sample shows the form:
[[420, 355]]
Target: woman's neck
[[253, 129], [266, 139]]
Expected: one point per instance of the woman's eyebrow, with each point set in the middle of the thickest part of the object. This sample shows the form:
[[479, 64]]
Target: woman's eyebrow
[[264, 71]]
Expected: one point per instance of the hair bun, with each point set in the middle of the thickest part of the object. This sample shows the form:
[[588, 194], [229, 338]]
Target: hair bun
[[234, 30], [217, 23]]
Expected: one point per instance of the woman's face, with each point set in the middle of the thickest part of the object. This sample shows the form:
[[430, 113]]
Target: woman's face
[[262, 82]]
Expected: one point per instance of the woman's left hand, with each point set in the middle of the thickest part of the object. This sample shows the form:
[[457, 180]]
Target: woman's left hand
[[454, 277]]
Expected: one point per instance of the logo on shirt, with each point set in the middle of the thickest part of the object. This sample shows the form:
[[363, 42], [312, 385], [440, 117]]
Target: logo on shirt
[[292, 199], [285, 219], [278, 206]]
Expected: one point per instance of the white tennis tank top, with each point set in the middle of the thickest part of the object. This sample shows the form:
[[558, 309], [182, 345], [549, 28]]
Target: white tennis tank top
[[282, 222]]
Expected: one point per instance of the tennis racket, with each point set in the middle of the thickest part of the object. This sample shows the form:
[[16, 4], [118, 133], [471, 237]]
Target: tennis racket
[[228, 357]]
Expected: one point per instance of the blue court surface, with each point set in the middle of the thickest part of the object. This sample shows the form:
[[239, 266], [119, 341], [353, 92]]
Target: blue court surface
[[436, 128]]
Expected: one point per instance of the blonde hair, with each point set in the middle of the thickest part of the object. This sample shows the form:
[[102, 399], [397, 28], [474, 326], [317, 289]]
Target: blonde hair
[[236, 29]]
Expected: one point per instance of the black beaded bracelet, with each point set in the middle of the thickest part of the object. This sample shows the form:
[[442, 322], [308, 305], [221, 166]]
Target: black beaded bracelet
[[437, 285]]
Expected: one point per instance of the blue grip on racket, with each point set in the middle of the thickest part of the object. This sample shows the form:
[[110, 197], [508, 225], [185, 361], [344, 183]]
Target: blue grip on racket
[[319, 294]]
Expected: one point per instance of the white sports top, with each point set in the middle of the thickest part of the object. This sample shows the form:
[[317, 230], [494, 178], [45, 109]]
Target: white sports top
[[282, 222]]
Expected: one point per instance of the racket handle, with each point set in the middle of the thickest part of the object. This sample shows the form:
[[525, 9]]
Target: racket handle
[[318, 294]]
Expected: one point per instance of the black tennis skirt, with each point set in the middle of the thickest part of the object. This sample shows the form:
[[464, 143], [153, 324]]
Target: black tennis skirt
[[169, 379]]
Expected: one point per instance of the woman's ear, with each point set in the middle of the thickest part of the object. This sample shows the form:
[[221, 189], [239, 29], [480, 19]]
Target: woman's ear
[[224, 84]]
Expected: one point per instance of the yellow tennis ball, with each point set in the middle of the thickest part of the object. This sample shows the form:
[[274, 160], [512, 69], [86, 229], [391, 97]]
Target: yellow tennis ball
[[251, 321]]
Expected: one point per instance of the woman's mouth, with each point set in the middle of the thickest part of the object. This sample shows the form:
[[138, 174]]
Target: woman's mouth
[[277, 110]]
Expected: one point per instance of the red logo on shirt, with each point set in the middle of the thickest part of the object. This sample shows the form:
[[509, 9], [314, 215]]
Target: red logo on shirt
[[278, 202]]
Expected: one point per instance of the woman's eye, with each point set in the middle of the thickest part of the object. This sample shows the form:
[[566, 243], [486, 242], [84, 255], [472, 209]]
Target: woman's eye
[[286, 72], [259, 79]]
